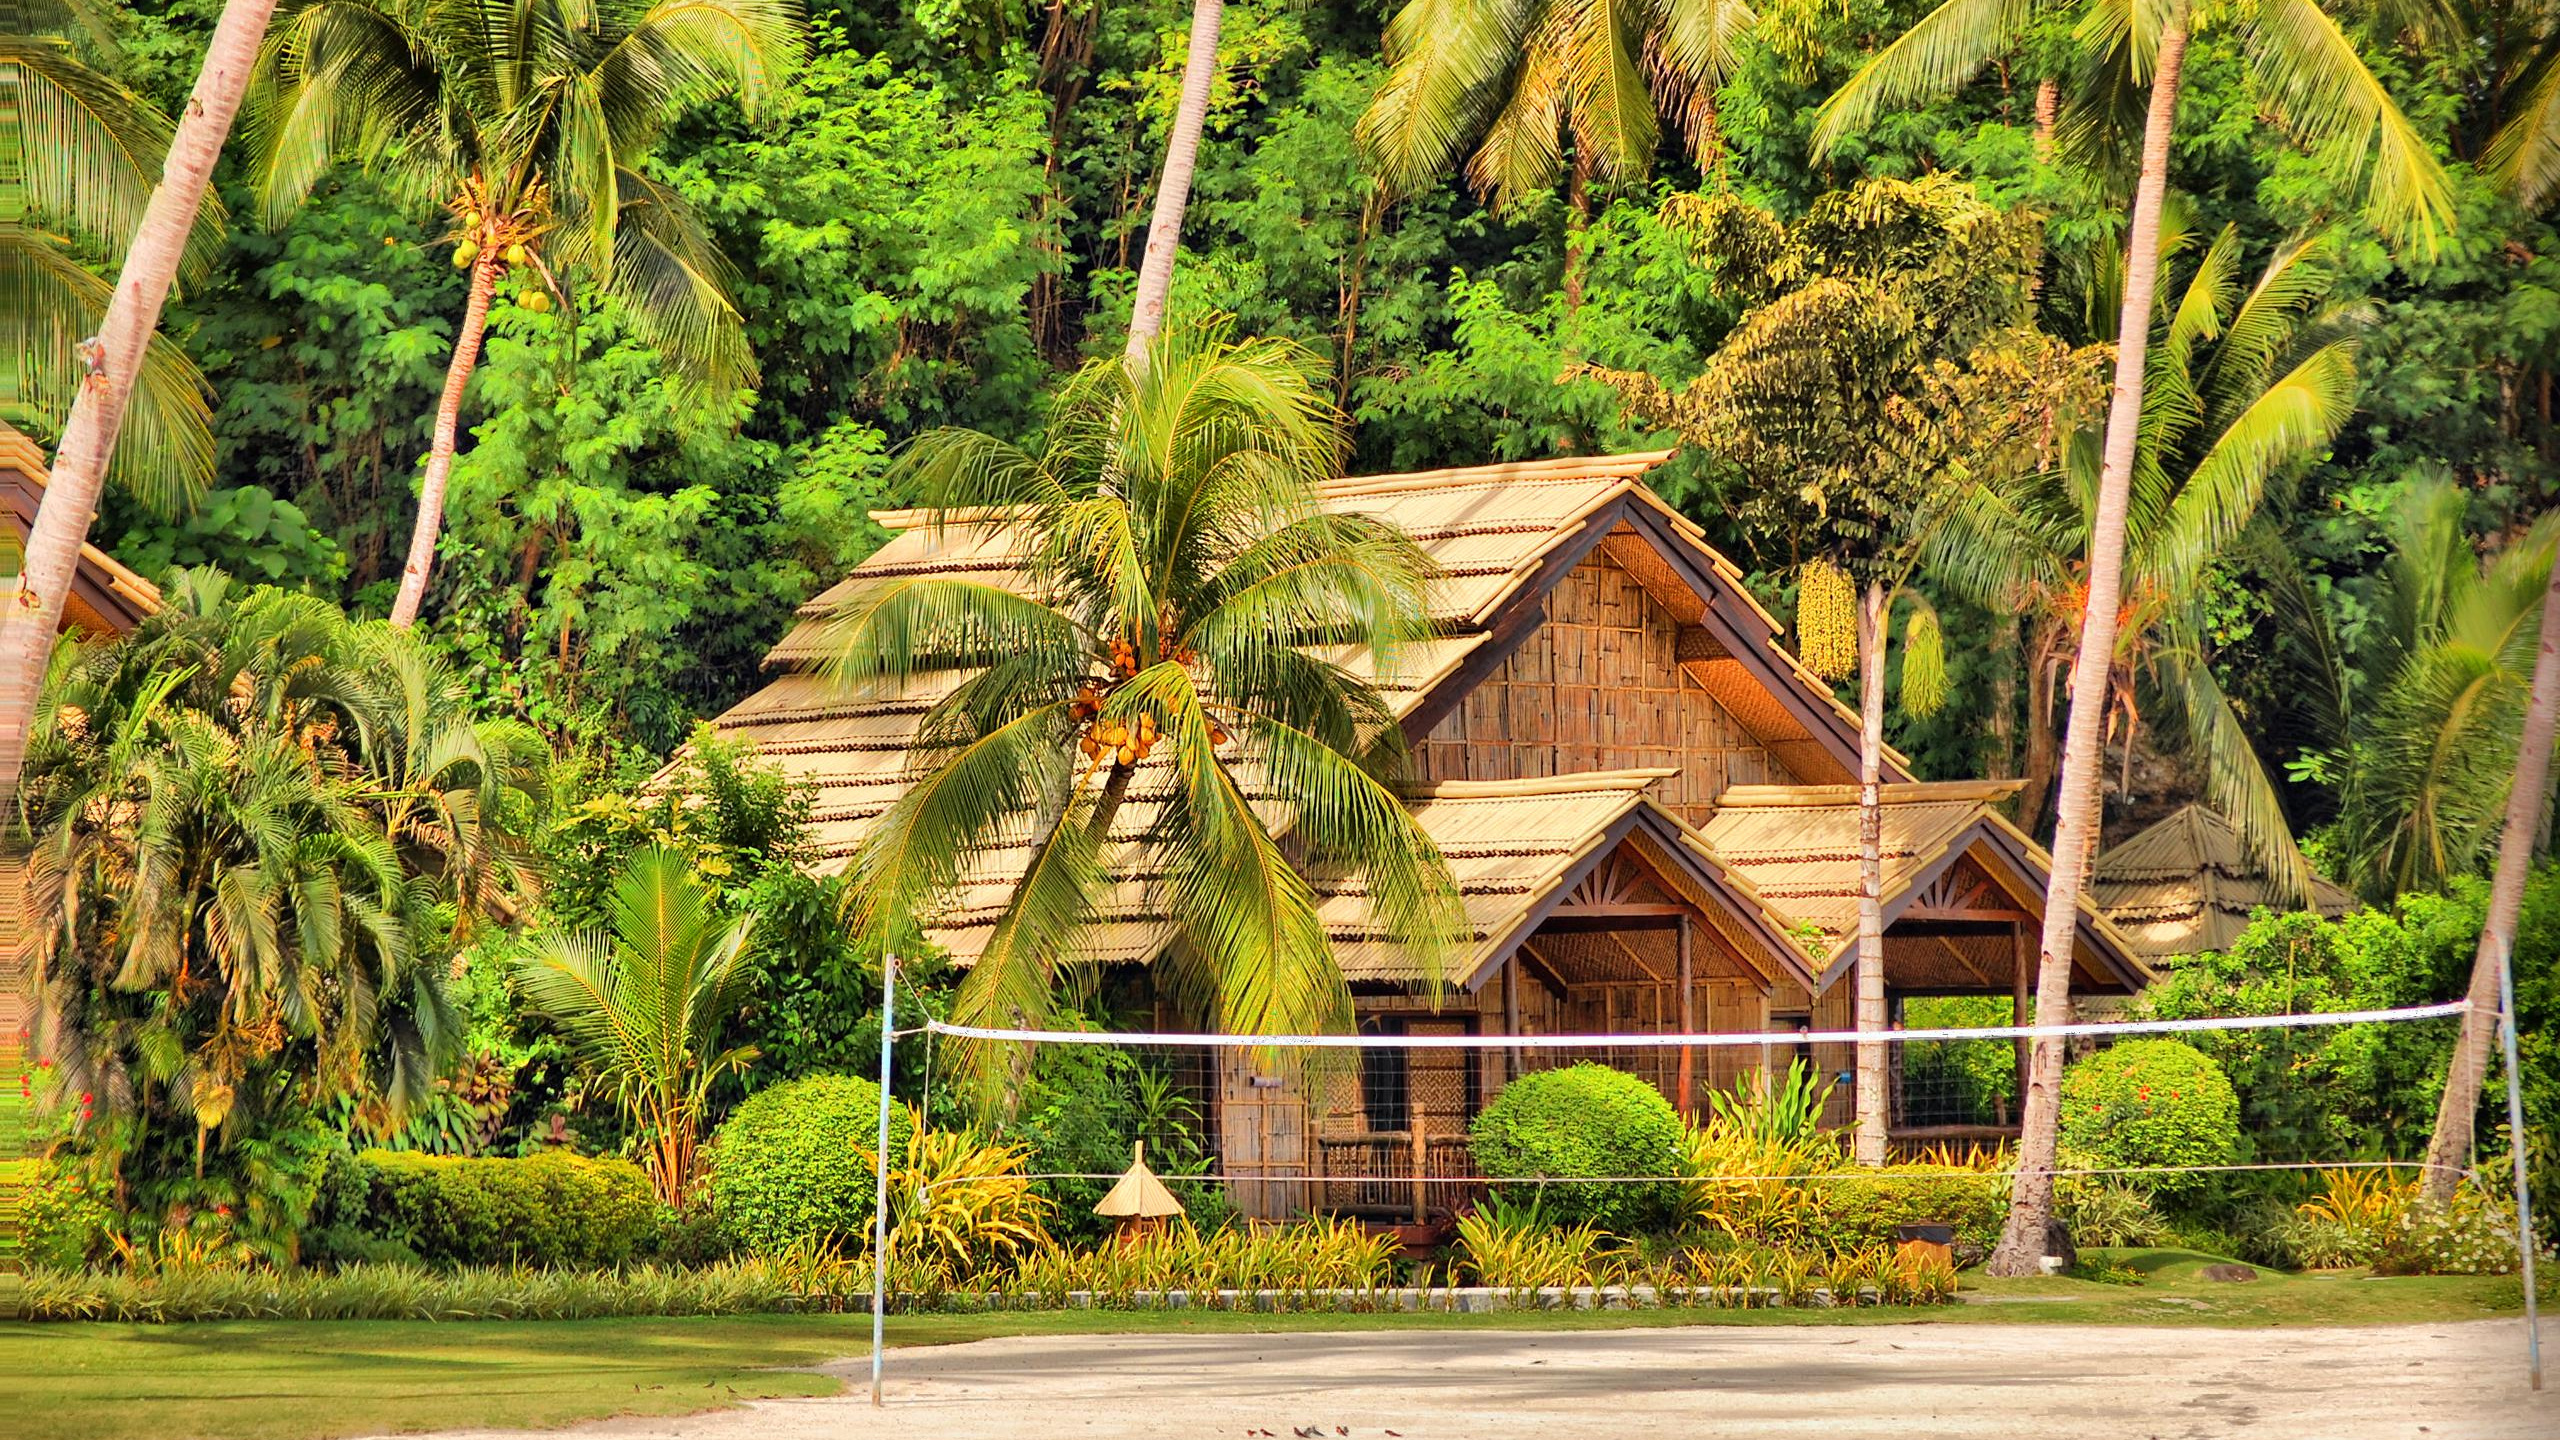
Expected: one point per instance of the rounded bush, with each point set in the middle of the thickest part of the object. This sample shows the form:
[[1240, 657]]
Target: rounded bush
[[2151, 1102], [792, 1163], [1582, 1120]]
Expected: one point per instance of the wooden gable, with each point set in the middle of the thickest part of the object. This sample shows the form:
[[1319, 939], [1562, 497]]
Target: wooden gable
[[1611, 678]]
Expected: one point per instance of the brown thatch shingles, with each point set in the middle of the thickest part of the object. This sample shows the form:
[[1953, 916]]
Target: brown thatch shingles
[[2187, 885], [1495, 532], [1797, 845]]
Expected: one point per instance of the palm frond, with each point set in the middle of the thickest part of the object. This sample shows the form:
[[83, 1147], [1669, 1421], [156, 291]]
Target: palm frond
[[48, 303], [1931, 60], [1449, 61], [2314, 73], [2524, 154], [89, 152]]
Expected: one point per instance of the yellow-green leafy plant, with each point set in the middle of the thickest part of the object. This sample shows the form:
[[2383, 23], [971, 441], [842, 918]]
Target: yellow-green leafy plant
[[1516, 1248], [961, 1208]]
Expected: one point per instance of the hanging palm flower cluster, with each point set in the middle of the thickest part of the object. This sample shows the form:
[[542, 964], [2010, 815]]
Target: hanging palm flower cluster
[[1826, 620], [483, 228], [1924, 663]]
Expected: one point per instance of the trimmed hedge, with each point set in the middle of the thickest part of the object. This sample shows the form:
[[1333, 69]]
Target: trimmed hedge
[[790, 1163], [1582, 1120], [2151, 1102], [1859, 1210], [550, 1210]]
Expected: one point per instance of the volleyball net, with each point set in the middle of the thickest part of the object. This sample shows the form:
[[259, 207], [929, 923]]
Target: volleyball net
[[1385, 1125]]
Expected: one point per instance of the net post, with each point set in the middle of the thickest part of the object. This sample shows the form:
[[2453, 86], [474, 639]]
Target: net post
[[2515, 1143], [880, 1187]]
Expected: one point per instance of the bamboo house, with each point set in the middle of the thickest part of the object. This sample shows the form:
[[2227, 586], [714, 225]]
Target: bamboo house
[[1648, 803]]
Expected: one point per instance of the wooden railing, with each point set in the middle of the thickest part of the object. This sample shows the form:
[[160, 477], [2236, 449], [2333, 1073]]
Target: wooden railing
[[1376, 1172]]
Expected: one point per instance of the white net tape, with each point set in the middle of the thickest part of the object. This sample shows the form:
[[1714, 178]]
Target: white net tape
[[1708, 1040]]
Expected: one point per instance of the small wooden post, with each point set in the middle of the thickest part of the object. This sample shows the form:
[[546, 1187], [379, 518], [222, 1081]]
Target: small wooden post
[[2023, 951], [1688, 1014], [1421, 1161]]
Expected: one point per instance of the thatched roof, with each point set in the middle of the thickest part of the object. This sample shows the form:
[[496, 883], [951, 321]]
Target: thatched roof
[[1797, 847], [106, 597], [1503, 536], [2187, 885], [1138, 1194]]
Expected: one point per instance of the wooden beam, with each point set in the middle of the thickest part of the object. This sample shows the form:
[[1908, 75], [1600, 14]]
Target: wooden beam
[[1688, 1025], [1941, 912]]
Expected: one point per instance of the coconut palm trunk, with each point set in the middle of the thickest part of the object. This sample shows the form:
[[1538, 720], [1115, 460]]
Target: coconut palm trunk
[[1874, 1109], [2022, 1241], [457, 379], [89, 432], [1173, 191], [2449, 1151]]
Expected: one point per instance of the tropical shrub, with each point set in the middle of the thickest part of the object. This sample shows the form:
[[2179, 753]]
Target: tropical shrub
[[2104, 1210], [793, 1163], [1311, 1256], [2470, 1234], [1515, 1247], [1739, 1177], [63, 1223], [553, 1210], [960, 1207], [1582, 1120], [2147, 1103], [1860, 1208]]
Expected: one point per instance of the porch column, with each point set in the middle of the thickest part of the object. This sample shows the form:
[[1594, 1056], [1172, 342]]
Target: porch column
[[1511, 1014], [1688, 1025], [2022, 947]]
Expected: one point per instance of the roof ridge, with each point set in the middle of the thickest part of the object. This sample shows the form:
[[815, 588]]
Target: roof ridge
[[1621, 466], [1912, 792], [1578, 782]]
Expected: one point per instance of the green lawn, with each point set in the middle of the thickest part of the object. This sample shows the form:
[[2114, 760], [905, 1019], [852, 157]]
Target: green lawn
[[308, 1381]]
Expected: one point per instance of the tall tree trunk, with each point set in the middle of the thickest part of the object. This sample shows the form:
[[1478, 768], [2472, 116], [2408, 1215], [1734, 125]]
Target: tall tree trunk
[[457, 379], [1173, 191], [2041, 759], [1577, 238], [2000, 736], [2048, 105], [97, 413], [1875, 1112], [2449, 1152], [2022, 1241]]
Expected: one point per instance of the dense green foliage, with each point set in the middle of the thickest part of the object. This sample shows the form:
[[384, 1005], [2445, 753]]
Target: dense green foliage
[[793, 1164], [1582, 1119], [553, 1210], [2143, 1103]]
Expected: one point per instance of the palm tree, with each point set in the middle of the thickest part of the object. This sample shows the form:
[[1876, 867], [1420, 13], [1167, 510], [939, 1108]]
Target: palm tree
[[228, 906], [2242, 388], [1514, 81], [2307, 68], [88, 151], [528, 121], [1173, 188], [2429, 768], [2449, 1149], [644, 1005], [113, 362], [1178, 569]]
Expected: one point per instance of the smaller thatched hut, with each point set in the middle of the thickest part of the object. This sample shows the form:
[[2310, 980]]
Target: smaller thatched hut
[[2186, 886]]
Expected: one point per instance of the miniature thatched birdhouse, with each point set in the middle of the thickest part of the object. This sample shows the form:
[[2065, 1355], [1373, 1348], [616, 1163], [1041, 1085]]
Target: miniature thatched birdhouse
[[1139, 1201]]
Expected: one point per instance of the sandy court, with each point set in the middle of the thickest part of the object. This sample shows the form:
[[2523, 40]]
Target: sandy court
[[2444, 1382]]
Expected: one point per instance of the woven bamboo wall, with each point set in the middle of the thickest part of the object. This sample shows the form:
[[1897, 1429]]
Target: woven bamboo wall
[[1597, 687]]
